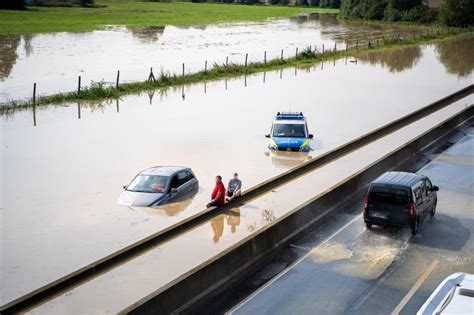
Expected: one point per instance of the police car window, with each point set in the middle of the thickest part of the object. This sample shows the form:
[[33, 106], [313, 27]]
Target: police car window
[[289, 130]]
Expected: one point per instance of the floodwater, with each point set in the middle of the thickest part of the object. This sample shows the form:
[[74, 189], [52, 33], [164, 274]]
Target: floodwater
[[62, 177], [54, 61], [163, 265]]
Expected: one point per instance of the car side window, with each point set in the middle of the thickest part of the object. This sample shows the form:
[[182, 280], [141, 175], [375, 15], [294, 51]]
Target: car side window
[[174, 182], [418, 194], [429, 186], [184, 177]]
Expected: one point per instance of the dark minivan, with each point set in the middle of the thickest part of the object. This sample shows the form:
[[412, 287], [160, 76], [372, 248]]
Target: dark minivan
[[400, 199]]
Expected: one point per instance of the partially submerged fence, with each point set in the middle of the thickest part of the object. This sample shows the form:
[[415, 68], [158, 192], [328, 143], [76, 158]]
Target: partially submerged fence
[[311, 53]]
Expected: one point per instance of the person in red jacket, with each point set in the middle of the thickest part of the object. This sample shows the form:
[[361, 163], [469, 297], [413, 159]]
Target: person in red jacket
[[218, 193]]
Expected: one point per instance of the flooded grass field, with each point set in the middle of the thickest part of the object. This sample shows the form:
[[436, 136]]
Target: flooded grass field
[[54, 61], [61, 178]]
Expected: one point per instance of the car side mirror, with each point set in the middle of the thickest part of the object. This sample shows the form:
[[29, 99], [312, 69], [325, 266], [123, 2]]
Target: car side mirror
[[435, 188], [310, 136], [267, 135], [125, 187], [173, 190]]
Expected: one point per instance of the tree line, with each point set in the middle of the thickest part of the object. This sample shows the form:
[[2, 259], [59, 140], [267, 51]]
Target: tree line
[[458, 13]]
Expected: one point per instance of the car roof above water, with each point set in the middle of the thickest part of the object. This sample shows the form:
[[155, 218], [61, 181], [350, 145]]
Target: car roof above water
[[163, 170], [398, 179]]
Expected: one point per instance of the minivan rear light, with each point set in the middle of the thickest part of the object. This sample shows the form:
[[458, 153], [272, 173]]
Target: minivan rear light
[[412, 212], [366, 205]]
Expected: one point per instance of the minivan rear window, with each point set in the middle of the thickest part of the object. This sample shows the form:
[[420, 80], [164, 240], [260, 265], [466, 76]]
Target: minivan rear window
[[389, 195]]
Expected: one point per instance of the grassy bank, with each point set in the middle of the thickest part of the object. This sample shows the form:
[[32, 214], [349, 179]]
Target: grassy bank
[[136, 14], [99, 91]]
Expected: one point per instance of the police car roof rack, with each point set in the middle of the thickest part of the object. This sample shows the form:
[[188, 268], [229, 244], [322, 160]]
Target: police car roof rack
[[289, 116]]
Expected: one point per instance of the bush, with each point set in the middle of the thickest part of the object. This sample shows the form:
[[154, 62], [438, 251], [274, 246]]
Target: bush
[[330, 3], [428, 15], [458, 13], [12, 4]]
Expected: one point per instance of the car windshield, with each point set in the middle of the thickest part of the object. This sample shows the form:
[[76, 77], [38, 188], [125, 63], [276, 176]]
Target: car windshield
[[392, 196], [289, 130], [148, 184]]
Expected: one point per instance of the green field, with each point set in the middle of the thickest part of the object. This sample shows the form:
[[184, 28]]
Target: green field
[[77, 19]]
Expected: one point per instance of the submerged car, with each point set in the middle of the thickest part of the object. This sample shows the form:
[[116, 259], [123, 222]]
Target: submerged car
[[400, 199], [289, 133], [158, 185]]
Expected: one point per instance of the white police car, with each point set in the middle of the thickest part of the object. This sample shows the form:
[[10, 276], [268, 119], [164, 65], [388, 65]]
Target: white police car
[[289, 133]]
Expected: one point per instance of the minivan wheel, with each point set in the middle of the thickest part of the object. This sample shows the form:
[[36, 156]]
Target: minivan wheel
[[433, 211], [368, 225], [414, 227]]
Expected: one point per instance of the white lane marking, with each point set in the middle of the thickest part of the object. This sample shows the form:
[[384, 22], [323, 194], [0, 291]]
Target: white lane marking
[[415, 287], [293, 265]]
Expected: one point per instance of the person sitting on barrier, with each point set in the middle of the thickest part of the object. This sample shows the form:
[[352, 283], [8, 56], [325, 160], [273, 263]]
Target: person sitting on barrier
[[218, 193], [234, 188]]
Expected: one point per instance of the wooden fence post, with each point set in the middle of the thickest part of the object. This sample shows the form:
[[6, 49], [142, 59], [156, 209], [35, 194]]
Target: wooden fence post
[[296, 53], [117, 81], [183, 69], [357, 45], [34, 104], [281, 57], [323, 49], [205, 66], [246, 57], [79, 85], [265, 57], [347, 45], [335, 47], [151, 76], [226, 61]]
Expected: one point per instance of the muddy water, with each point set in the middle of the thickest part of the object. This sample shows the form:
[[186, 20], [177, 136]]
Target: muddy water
[[61, 179], [55, 61]]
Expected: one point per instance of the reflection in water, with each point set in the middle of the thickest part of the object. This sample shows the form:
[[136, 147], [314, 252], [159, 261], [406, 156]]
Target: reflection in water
[[8, 55], [287, 160], [8, 52], [396, 60], [147, 33], [232, 217], [457, 56], [217, 225]]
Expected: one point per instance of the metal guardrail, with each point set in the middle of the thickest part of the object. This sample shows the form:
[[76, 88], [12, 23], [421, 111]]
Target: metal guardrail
[[109, 262]]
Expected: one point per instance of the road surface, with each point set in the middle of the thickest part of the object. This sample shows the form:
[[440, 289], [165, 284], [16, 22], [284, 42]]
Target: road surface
[[380, 271]]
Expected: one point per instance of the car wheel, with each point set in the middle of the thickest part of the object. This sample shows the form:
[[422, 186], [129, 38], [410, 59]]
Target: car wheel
[[414, 227], [433, 210], [368, 225]]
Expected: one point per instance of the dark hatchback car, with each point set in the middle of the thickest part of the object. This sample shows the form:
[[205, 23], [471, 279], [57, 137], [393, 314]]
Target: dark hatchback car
[[400, 199]]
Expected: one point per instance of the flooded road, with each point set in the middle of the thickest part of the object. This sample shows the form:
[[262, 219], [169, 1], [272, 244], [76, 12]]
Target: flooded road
[[61, 179], [54, 61]]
